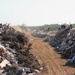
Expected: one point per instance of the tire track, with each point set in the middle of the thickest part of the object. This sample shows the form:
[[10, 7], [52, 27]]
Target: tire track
[[51, 58]]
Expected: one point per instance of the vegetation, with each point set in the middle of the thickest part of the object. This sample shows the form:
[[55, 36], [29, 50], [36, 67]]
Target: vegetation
[[23, 26], [74, 25], [53, 26], [46, 26]]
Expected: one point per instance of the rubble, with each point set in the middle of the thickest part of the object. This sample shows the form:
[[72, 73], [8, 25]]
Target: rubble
[[64, 44], [44, 33], [15, 55], [4, 63]]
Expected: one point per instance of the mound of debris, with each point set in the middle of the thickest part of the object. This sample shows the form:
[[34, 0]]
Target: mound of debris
[[44, 33], [39, 33], [15, 55], [64, 43]]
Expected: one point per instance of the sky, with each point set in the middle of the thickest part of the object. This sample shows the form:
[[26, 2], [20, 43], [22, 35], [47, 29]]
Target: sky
[[37, 12]]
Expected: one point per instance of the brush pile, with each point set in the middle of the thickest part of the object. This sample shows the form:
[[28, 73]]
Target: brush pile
[[15, 55], [44, 33], [64, 43]]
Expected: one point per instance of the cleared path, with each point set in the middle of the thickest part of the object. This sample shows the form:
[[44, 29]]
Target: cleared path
[[51, 58]]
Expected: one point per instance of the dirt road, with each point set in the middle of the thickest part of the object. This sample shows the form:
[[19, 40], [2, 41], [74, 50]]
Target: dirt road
[[51, 59], [54, 65]]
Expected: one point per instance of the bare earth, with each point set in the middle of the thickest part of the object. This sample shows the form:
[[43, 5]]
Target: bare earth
[[51, 59]]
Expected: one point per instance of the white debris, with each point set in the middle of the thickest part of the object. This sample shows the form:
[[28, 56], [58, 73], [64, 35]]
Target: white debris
[[4, 62], [37, 71], [27, 69], [31, 74], [41, 68], [2, 47]]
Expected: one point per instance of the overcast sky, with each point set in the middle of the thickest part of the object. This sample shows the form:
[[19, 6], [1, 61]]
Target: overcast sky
[[37, 12]]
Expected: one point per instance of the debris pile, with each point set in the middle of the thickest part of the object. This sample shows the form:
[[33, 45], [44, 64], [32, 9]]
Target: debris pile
[[15, 55], [39, 33], [44, 33], [64, 43]]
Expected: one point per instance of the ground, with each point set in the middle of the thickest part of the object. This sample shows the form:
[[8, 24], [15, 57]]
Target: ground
[[54, 64]]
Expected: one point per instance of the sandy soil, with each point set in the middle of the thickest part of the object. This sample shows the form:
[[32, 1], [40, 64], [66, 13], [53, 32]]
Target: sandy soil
[[51, 59]]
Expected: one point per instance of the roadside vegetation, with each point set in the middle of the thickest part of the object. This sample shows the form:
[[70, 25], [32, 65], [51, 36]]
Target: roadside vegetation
[[23, 27], [46, 26], [74, 25], [53, 26]]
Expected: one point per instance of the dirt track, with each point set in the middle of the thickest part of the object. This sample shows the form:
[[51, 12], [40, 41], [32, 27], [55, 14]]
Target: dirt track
[[51, 59], [54, 65]]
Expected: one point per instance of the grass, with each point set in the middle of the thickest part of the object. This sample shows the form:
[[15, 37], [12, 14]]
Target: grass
[[52, 26], [74, 25], [46, 26]]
